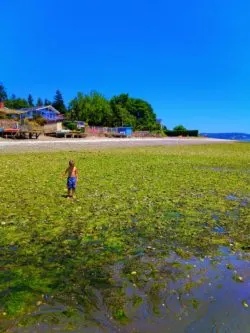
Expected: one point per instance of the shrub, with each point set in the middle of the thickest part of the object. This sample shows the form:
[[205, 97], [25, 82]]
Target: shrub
[[40, 120], [182, 133], [70, 125], [179, 128]]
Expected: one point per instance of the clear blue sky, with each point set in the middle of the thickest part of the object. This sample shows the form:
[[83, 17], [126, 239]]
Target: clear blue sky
[[189, 59]]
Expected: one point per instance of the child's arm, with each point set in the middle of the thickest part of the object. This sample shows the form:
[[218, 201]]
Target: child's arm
[[65, 172]]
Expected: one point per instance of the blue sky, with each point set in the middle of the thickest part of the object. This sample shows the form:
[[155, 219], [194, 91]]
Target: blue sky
[[189, 59]]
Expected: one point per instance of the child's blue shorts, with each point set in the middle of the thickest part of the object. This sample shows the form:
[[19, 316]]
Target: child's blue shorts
[[71, 183]]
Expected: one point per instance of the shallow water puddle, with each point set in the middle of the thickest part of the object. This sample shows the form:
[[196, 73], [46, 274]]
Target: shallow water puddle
[[163, 295]]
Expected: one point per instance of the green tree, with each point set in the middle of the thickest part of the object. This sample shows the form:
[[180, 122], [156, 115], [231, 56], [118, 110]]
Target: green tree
[[17, 103], [47, 102], [39, 102], [139, 113], [144, 113], [93, 108], [121, 116], [30, 100], [59, 103], [180, 128], [3, 94]]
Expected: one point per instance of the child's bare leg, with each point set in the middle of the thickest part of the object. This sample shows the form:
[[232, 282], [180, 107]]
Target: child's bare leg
[[73, 192], [69, 192]]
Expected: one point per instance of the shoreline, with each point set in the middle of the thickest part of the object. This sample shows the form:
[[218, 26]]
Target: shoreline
[[49, 144]]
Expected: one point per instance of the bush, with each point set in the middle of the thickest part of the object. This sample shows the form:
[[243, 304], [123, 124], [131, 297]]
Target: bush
[[182, 133], [70, 125], [40, 120], [158, 133], [180, 128]]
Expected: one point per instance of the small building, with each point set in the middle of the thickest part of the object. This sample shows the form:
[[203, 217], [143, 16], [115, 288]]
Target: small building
[[52, 127], [48, 112], [127, 131]]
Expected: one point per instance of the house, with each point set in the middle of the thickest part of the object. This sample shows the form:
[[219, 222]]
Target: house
[[48, 112], [16, 118]]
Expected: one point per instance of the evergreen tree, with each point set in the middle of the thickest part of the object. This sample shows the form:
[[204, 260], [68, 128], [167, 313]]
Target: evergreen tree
[[39, 102], [59, 103], [47, 102], [3, 94], [30, 100]]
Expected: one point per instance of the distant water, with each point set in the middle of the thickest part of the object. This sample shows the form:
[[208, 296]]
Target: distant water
[[243, 137]]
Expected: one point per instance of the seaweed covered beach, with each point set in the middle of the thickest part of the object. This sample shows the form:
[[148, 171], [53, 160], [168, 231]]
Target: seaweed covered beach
[[157, 239]]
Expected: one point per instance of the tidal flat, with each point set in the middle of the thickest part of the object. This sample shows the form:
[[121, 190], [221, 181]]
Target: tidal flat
[[157, 239]]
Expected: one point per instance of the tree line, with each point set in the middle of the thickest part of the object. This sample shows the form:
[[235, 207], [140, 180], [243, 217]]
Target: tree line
[[94, 108], [14, 102]]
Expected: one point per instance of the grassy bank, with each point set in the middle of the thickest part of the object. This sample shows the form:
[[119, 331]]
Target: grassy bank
[[131, 204]]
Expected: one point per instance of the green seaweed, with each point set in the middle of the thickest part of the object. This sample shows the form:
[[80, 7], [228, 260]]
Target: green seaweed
[[135, 208]]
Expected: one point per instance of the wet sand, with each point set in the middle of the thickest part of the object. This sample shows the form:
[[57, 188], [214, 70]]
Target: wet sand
[[52, 144]]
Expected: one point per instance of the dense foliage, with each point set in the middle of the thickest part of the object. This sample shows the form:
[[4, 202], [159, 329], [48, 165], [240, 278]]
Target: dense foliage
[[143, 238], [121, 110], [16, 103], [193, 133], [179, 128], [95, 109]]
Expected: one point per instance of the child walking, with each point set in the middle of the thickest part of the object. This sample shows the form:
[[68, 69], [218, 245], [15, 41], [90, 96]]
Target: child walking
[[72, 178]]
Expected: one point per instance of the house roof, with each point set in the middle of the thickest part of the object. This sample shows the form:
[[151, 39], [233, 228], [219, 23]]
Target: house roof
[[7, 111], [38, 108]]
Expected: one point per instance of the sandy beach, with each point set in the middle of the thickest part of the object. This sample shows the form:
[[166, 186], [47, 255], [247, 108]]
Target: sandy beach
[[52, 144]]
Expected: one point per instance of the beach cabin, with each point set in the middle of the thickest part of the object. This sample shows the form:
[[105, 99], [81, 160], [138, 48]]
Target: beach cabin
[[48, 112]]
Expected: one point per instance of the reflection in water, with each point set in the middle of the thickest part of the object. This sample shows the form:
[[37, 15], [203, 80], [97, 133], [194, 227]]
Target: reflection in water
[[150, 292]]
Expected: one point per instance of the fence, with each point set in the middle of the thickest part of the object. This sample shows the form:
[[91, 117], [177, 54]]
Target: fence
[[99, 130], [8, 123], [141, 134]]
